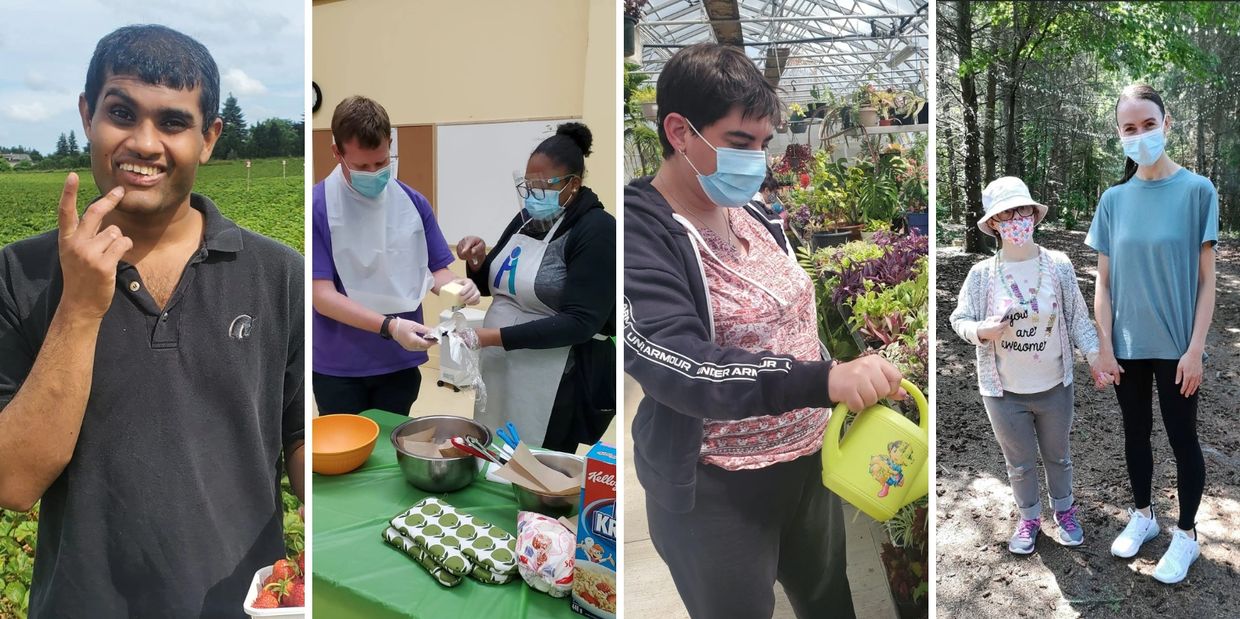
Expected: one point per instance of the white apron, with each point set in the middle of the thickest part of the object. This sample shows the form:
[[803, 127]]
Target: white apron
[[379, 246], [521, 384]]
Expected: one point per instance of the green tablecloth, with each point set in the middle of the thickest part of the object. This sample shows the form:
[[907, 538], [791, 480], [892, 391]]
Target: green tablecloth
[[357, 574]]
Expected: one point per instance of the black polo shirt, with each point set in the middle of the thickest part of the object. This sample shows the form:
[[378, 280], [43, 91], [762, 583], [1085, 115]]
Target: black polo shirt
[[171, 501]]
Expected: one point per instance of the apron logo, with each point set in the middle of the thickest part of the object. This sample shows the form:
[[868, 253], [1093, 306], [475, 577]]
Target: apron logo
[[510, 267]]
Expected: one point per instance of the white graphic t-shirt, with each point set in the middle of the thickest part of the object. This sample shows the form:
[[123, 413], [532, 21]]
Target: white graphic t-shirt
[[1029, 359]]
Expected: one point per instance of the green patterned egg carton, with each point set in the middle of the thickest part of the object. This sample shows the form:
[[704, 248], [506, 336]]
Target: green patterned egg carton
[[458, 542]]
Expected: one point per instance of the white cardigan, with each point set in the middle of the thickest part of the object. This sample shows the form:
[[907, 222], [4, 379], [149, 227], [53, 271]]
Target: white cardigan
[[973, 306]]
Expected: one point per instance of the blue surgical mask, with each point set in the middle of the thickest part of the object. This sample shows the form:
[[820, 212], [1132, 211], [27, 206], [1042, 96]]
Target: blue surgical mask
[[738, 174], [370, 184], [1147, 148], [547, 207]]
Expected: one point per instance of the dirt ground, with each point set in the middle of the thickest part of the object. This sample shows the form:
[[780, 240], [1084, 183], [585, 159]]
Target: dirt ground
[[976, 575]]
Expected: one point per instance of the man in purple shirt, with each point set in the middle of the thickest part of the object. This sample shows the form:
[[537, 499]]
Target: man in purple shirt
[[377, 252]]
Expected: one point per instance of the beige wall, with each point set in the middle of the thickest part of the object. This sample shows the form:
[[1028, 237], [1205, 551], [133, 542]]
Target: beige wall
[[601, 101], [435, 62]]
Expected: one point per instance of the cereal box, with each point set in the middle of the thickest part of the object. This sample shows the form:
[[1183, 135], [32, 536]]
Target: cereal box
[[594, 571]]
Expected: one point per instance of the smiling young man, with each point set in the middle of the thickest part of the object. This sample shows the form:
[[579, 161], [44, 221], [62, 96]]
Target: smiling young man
[[721, 334], [151, 360], [377, 251]]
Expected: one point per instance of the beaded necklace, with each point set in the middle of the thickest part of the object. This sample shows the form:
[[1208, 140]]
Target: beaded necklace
[[1008, 284]]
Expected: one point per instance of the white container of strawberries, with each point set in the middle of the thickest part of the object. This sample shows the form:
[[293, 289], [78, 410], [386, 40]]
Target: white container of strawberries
[[278, 590]]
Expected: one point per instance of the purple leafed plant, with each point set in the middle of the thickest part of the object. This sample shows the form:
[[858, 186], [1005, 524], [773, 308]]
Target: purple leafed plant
[[898, 264]]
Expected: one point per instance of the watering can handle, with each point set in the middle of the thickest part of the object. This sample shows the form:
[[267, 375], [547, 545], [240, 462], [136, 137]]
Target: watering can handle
[[832, 444]]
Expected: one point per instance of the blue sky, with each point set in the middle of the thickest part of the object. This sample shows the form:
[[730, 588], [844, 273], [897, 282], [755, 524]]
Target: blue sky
[[45, 48]]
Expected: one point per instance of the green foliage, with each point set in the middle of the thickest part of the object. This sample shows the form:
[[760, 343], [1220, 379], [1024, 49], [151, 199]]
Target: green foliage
[[270, 204], [909, 298], [18, 532]]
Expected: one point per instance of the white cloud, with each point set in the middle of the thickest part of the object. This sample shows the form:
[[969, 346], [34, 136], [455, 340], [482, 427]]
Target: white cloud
[[237, 82], [26, 112]]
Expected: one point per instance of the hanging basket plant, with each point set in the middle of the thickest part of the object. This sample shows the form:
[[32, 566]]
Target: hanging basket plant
[[632, 15]]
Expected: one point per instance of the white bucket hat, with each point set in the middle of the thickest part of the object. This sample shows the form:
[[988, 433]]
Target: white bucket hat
[[1005, 193]]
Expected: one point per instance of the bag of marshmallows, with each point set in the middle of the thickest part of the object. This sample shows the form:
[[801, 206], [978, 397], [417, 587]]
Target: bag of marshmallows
[[545, 553]]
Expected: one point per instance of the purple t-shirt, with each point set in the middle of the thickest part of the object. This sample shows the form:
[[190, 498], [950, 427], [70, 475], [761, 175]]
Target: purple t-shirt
[[341, 350]]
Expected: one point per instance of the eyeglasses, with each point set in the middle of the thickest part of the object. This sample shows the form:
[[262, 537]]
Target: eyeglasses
[[1022, 211], [536, 187]]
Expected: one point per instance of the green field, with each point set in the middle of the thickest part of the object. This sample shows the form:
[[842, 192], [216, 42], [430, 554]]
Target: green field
[[269, 203]]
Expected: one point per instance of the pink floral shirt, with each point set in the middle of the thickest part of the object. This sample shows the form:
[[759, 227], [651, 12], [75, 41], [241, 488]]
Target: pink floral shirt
[[761, 301]]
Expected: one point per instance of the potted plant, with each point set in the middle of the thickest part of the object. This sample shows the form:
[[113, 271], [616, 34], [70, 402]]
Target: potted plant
[[908, 108], [915, 195], [632, 15], [645, 97], [796, 118], [819, 104], [906, 559], [867, 113]]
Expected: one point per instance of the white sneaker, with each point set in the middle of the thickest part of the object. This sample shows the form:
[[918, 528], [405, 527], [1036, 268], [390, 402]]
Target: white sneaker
[[1174, 564], [1139, 530]]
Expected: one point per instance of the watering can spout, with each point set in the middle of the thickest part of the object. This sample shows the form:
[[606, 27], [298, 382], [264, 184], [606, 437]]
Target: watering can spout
[[881, 464]]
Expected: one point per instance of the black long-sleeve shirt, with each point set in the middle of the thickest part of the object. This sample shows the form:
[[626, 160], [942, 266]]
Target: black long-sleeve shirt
[[588, 304]]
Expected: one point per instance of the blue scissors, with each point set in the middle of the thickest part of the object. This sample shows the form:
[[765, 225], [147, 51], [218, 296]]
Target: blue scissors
[[508, 433]]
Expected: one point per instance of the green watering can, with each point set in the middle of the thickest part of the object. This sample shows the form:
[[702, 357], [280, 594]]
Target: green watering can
[[882, 463]]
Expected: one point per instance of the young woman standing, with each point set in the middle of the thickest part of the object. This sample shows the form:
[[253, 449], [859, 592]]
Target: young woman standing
[[1155, 233]]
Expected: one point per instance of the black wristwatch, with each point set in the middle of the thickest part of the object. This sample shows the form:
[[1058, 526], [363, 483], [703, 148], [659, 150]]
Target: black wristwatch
[[383, 330]]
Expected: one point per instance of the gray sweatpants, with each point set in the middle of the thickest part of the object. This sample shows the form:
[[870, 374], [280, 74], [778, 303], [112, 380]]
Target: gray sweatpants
[[1025, 424]]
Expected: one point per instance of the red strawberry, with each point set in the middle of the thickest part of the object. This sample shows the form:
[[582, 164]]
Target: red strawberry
[[280, 590], [283, 570], [296, 595], [266, 599], [301, 563]]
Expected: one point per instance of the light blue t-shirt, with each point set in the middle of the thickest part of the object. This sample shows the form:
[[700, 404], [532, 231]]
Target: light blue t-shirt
[[1152, 232]]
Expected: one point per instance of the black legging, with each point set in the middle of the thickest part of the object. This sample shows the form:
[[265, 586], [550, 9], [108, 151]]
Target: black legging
[[1135, 395]]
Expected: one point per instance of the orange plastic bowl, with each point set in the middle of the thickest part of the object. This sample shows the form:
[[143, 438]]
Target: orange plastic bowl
[[342, 443]]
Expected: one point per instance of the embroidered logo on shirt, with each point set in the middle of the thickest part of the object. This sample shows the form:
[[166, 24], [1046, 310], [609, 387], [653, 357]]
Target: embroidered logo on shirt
[[241, 327]]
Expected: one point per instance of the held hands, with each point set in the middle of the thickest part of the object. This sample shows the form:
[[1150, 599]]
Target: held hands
[[1188, 373], [409, 335], [473, 251], [1101, 379], [88, 255], [1105, 370], [862, 382], [991, 328]]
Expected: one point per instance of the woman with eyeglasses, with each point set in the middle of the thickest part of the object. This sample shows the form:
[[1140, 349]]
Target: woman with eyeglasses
[[1155, 232], [721, 334], [1023, 311], [547, 358]]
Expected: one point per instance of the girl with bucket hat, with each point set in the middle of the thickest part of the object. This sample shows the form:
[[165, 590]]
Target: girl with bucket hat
[[1024, 312], [1155, 233]]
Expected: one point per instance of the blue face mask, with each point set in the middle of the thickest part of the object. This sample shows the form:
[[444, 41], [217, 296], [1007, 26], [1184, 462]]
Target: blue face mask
[[545, 208], [370, 184], [738, 174], [1147, 148]]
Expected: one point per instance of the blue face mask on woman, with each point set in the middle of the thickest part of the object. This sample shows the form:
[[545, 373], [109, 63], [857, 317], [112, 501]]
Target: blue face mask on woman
[[370, 184], [545, 207], [738, 174], [549, 204], [1147, 148]]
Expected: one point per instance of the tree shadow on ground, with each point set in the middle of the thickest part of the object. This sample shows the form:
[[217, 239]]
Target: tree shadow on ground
[[977, 576]]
